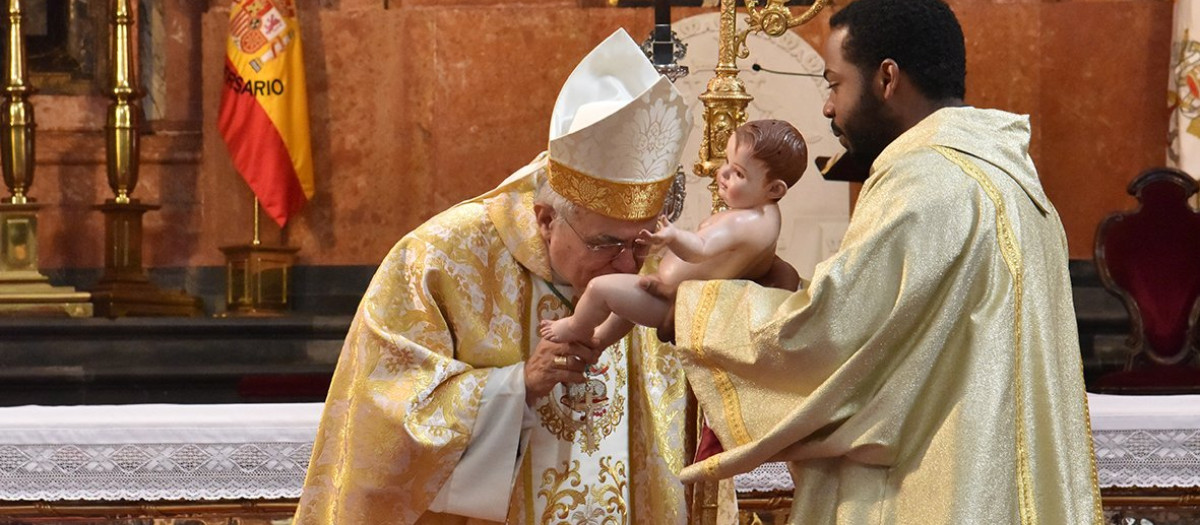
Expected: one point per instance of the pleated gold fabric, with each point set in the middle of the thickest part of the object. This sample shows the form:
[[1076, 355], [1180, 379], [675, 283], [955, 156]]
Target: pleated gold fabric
[[451, 300], [930, 373]]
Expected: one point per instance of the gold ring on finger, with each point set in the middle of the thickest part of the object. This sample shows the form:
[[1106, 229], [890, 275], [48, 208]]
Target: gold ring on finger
[[560, 360]]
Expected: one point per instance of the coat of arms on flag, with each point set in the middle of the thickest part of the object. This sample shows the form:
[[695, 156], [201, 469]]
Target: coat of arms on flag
[[264, 105]]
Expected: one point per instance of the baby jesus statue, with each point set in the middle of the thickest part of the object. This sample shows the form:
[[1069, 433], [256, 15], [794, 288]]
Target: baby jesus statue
[[763, 159]]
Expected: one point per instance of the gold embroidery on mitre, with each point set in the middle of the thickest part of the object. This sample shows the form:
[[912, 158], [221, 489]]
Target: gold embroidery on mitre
[[619, 200]]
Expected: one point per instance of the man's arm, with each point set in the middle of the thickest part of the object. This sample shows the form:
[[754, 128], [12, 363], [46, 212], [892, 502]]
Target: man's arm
[[781, 275], [542, 372]]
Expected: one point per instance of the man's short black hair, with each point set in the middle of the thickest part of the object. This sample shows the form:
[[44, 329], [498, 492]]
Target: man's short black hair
[[922, 36]]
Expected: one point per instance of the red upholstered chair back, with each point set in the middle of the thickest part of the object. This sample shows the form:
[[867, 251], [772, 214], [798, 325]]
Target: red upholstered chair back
[[1150, 258]]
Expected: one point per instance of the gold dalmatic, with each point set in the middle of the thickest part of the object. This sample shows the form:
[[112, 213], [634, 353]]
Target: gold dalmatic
[[930, 372]]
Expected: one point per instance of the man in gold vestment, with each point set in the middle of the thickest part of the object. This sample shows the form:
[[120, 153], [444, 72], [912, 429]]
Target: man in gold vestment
[[930, 373], [446, 407]]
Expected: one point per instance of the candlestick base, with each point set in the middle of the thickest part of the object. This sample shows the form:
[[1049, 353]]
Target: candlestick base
[[24, 291], [125, 290]]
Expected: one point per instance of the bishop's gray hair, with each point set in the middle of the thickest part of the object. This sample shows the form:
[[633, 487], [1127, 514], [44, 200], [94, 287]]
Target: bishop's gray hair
[[547, 196]]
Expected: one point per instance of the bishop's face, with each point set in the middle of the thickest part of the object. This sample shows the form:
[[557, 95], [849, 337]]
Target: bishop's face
[[583, 245], [855, 111]]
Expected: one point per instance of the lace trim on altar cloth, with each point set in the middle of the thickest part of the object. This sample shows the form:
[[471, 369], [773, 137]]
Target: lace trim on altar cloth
[[1148, 458], [1124, 458], [150, 471], [768, 477]]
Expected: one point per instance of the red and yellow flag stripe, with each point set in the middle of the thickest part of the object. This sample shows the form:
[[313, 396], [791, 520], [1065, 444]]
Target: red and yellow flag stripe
[[264, 105]]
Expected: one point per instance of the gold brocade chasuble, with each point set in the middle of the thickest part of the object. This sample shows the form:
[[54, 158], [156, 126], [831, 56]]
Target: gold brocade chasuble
[[930, 374], [457, 296], [582, 467]]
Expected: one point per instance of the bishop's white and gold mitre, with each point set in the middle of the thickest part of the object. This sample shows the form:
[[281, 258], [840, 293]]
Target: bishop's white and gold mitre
[[617, 133]]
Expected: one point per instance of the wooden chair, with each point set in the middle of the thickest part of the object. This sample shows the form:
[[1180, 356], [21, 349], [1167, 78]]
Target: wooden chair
[[1150, 259]]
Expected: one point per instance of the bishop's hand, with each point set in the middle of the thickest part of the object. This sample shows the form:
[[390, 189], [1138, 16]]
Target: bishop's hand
[[552, 363]]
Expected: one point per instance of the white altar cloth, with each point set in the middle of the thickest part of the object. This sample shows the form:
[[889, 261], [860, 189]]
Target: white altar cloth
[[1140, 442], [261, 451], [1146, 441], [155, 452]]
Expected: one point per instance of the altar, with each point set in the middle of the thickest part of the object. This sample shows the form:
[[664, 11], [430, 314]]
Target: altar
[[248, 460], [154, 460]]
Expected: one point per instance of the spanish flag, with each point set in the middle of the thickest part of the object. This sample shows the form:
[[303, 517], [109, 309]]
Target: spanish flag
[[264, 105]]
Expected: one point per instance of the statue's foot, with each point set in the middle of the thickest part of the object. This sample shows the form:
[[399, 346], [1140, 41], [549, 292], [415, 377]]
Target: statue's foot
[[558, 331], [545, 329]]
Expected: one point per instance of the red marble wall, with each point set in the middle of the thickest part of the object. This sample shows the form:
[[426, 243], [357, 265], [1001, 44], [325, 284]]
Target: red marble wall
[[1092, 76], [418, 104]]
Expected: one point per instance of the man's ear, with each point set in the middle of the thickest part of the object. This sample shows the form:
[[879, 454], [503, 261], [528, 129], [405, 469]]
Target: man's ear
[[776, 189], [887, 78], [545, 215]]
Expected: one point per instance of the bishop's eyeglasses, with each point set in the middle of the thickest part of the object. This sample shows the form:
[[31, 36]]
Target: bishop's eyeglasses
[[612, 250]]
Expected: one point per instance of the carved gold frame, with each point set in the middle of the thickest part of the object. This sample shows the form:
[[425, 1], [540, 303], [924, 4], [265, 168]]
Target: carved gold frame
[[84, 510]]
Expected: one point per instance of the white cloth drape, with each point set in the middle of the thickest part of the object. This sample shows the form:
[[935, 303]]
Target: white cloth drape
[[1183, 90]]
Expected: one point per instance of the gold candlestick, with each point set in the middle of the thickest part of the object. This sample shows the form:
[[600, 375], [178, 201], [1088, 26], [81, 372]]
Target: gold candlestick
[[125, 289], [725, 101], [16, 151], [23, 288], [725, 98], [124, 113]]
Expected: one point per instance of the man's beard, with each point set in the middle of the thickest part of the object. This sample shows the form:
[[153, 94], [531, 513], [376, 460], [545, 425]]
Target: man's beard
[[868, 129]]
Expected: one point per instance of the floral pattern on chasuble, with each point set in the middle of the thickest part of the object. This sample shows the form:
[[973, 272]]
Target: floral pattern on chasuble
[[579, 451], [456, 297], [448, 302], [572, 502]]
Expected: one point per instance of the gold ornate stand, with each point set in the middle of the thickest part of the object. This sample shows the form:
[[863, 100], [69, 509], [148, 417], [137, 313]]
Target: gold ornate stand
[[125, 290], [256, 279], [23, 288], [257, 276]]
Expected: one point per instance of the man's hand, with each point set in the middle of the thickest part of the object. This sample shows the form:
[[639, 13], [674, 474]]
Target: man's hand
[[781, 275], [552, 363], [652, 284]]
